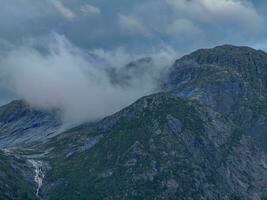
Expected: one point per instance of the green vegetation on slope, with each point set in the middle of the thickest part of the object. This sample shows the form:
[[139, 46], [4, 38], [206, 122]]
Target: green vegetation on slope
[[13, 184], [157, 149]]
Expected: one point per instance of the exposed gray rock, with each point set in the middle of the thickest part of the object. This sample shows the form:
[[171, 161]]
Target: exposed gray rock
[[230, 79], [22, 125]]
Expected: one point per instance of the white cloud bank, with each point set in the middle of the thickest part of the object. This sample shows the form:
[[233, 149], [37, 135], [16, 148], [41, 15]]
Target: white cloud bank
[[63, 76]]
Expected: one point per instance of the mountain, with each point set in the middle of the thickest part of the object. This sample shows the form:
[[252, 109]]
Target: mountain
[[21, 124], [202, 137], [161, 147], [230, 79]]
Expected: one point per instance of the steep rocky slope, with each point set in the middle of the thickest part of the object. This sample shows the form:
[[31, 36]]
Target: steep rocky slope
[[161, 147], [230, 79], [22, 125]]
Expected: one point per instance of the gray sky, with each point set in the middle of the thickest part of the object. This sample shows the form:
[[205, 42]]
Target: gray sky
[[137, 25], [58, 53]]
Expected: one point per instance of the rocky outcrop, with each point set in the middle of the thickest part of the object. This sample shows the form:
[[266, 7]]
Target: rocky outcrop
[[230, 79]]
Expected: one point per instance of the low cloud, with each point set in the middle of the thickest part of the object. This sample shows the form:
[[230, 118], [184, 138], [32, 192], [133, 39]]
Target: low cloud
[[60, 75]]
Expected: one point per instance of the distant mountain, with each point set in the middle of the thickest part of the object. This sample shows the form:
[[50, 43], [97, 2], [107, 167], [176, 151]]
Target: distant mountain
[[203, 137]]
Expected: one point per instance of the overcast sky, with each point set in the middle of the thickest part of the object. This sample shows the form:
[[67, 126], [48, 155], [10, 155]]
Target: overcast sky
[[137, 25], [56, 53]]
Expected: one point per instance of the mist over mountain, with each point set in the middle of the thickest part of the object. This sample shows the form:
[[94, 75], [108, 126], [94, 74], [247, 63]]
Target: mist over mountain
[[129, 100], [56, 74], [202, 137]]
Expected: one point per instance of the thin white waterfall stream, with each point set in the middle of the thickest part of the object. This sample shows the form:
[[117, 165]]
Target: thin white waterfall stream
[[39, 174]]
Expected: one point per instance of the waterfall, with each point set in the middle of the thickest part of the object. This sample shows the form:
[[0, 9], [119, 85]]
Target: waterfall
[[39, 174]]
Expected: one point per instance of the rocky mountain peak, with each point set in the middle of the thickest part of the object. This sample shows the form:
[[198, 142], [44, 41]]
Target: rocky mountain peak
[[228, 55], [249, 63], [230, 79]]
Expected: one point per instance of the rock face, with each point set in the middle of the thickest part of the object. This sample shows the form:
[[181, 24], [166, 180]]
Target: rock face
[[22, 125], [230, 79]]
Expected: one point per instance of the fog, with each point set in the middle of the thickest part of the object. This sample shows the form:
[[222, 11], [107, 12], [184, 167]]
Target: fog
[[86, 85]]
